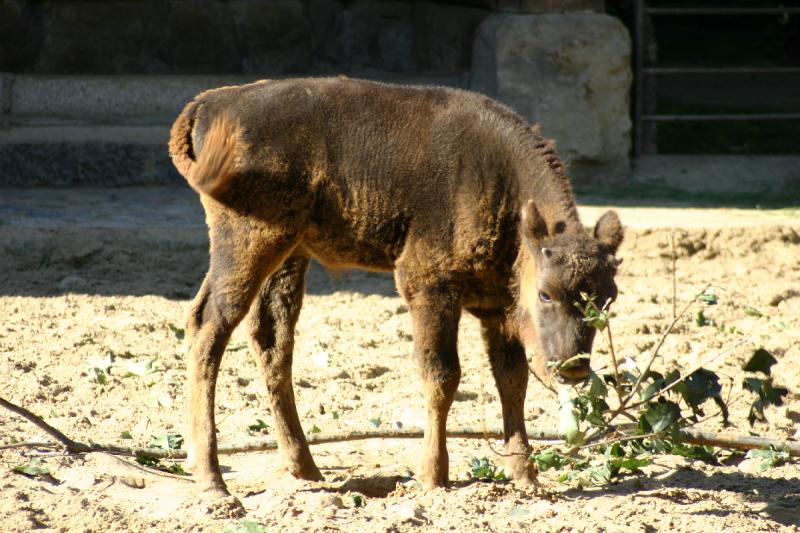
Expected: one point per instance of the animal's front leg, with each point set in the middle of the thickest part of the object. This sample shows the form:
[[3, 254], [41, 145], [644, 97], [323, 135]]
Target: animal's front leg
[[510, 369], [435, 314]]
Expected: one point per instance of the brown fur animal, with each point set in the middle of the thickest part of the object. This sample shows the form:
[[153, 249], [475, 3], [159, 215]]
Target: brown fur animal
[[470, 207]]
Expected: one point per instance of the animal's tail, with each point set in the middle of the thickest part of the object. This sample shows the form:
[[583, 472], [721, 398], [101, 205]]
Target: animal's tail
[[210, 171]]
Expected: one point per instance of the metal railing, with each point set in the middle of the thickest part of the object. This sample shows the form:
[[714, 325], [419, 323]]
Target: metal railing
[[641, 71]]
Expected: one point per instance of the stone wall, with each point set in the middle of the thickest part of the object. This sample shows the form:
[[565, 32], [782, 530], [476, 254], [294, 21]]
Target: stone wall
[[84, 77], [235, 36]]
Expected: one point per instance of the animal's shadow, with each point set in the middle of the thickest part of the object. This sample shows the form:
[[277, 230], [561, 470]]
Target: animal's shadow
[[173, 274], [781, 496]]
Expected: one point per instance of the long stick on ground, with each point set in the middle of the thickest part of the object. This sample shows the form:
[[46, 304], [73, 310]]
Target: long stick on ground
[[689, 436], [70, 444]]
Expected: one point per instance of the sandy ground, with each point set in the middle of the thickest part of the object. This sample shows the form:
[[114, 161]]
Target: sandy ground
[[73, 293]]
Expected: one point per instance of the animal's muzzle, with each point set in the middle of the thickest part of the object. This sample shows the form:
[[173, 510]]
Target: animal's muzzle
[[574, 373]]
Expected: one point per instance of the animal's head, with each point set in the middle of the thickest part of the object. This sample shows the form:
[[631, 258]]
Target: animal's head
[[558, 268]]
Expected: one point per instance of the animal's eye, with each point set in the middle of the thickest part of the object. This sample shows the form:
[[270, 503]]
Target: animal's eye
[[543, 296]]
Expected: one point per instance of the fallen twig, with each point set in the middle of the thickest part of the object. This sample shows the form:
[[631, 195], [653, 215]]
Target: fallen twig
[[71, 445], [689, 436], [29, 445]]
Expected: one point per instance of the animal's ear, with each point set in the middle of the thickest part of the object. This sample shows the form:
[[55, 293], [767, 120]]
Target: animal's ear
[[533, 226], [608, 231]]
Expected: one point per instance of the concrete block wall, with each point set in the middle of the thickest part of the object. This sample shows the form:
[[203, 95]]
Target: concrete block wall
[[104, 130]]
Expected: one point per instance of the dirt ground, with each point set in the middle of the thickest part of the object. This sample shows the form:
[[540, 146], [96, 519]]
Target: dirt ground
[[73, 296]]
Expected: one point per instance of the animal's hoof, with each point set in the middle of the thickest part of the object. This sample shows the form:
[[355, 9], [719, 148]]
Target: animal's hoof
[[212, 493], [215, 502], [526, 480], [308, 472], [522, 473], [434, 481], [221, 505]]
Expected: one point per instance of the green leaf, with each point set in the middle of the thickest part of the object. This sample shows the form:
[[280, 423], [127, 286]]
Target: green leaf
[[588, 409], [760, 361], [245, 526], [485, 470], [597, 388], [631, 463], [657, 383], [550, 458], [708, 297], [176, 468], [98, 376], [34, 467], [600, 474], [700, 318], [148, 460], [569, 418], [140, 368], [180, 333], [259, 427], [335, 415], [695, 451], [375, 422], [752, 311], [98, 368], [358, 500], [166, 441], [592, 314], [770, 457], [315, 429], [659, 416], [126, 435]]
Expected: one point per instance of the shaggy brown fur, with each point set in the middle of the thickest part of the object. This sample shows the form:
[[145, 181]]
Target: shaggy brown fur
[[470, 207]]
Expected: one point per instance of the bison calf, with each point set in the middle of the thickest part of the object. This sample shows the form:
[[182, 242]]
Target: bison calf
[[468, 206]]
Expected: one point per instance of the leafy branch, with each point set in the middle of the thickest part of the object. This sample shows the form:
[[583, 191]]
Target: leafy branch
[[663, 407]]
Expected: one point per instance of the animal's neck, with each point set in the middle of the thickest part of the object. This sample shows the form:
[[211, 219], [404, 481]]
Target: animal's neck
[[543, 179]]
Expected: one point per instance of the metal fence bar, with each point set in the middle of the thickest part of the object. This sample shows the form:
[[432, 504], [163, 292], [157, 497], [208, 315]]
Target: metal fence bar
[[722, 70], [639, 73], [679, 11], [721, 117]]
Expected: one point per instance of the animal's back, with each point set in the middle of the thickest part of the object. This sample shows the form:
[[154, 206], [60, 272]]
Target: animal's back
[[377, 169]]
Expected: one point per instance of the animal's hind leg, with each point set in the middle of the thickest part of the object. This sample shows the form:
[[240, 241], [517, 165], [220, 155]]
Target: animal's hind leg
[[236, 272], [510, 369], [272, 323], [435, 313]]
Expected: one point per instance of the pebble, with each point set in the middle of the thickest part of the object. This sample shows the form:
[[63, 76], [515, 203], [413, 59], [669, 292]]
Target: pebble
[[406, 511], [134, 482], [318, 501]]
